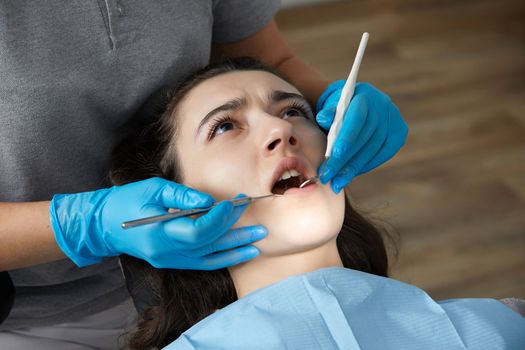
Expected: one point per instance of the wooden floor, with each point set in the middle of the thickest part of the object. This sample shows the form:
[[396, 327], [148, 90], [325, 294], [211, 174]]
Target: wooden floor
[[456, 192]]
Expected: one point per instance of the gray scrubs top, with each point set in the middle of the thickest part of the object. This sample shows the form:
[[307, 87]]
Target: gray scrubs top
[[72, 73]]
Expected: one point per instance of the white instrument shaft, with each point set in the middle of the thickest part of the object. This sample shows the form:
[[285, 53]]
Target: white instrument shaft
[[346, 96]]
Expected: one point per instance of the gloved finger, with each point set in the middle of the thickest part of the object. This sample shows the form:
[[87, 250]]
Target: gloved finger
[[327, 104], [396, 138], [325, 116], [232, 239], [353, 166], [228, 258], [174, 195], [186, 233], [174, 261], [239, 209], [210, 231], [189, 233], [358, 126]]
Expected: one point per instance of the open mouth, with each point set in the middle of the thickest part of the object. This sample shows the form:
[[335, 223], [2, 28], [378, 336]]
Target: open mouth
[[289, 179], [290, 173]]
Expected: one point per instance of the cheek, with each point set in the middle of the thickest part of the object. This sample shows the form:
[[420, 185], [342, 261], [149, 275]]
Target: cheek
[[313, 143], [222, 174]]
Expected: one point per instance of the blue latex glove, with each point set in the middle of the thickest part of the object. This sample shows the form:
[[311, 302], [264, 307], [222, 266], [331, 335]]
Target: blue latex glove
[[372, 132], [87, 227]]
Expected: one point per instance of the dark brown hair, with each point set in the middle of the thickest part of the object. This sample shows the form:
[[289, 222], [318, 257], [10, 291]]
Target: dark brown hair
[[171, 301]]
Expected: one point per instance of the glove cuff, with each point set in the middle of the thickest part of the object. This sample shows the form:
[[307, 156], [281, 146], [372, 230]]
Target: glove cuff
[[71, 217]]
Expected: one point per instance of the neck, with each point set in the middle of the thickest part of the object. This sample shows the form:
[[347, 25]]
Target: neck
[[265, 270]]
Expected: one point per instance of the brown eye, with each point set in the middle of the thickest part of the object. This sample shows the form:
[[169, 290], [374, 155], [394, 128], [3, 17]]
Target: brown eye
[[294, 112], [297, 109]]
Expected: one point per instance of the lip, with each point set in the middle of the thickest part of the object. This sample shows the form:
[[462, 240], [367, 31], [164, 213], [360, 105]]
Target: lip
[[289, 163]]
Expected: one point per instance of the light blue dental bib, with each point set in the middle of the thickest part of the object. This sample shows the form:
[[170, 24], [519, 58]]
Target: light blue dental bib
[[339, 308]]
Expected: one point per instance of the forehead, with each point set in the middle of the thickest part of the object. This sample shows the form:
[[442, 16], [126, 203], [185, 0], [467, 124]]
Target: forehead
[[217, 90]]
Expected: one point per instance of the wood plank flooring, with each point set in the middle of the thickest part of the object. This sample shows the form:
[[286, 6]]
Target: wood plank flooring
[[456, 192]]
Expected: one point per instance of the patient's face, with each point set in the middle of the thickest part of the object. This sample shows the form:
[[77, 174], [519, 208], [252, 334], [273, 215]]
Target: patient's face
[[263, 125]]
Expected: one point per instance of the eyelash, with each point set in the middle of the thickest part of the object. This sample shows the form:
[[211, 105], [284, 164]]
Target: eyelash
[[226, 118]]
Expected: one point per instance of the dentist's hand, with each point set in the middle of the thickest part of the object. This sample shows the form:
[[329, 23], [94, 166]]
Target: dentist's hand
[[372, 132], [87, 227]]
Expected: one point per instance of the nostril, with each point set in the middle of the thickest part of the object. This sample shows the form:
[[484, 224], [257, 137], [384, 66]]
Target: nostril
[[274, 144], [293, 141]]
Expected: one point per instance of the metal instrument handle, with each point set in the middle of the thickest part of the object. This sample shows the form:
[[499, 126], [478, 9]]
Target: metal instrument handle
[[187, 212]]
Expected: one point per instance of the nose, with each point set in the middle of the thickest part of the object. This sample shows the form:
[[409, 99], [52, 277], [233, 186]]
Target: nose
[[279, 135]]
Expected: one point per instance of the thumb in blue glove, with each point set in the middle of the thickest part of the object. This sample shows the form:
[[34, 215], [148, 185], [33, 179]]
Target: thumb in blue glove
[[373, 131], [87, 227]]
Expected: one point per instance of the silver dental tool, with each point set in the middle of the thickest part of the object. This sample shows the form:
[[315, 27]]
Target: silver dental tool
[[188, 212], [342, 105]]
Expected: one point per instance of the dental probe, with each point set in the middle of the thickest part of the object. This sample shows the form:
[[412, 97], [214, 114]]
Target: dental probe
[[189, 212], [344, 101]]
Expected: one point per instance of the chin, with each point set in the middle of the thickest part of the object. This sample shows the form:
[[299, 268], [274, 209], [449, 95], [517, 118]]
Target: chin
[[301, 229]]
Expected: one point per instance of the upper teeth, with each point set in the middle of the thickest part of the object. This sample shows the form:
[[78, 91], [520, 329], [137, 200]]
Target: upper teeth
[[288, 174]]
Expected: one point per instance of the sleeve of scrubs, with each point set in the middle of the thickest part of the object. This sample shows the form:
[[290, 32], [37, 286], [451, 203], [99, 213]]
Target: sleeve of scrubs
[[234, 20]]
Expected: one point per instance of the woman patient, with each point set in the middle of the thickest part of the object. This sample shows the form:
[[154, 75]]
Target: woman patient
[[239, 127]]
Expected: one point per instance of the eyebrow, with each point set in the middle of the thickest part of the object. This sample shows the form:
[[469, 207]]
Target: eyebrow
[[237, 103], [277, 95], [228, 106]]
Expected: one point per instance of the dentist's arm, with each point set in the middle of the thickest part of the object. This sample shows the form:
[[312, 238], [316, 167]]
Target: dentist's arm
[[373, 129], [26, 237]]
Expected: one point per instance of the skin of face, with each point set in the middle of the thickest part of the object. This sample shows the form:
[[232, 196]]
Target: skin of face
[[244, 152]]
